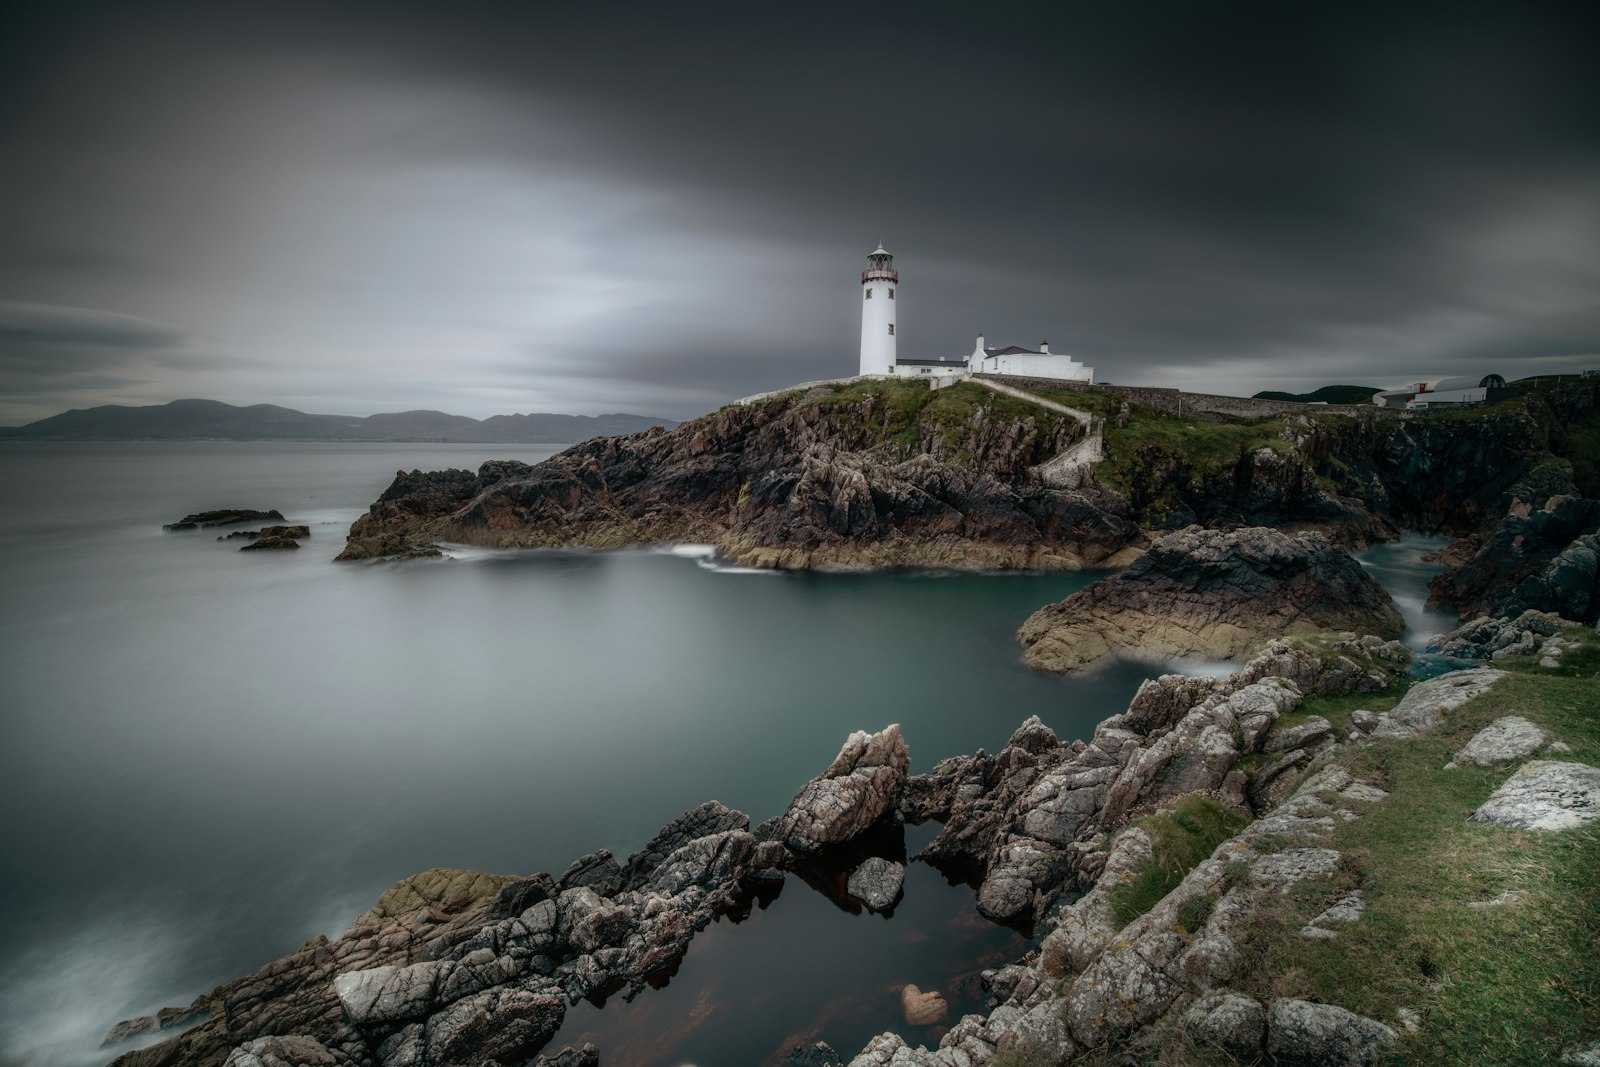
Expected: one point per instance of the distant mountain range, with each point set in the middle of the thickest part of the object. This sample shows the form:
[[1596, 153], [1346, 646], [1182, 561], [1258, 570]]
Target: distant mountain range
[[210, 420], [1328, 394]]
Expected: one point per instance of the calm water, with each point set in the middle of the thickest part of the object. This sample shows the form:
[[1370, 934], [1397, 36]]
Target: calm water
[[211, 755]]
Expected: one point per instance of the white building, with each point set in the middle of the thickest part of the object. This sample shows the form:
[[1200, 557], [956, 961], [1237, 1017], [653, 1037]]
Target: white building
[[879, 283], [1443, 393]]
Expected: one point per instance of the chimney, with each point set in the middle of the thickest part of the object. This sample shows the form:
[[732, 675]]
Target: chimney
[[1044, 347]]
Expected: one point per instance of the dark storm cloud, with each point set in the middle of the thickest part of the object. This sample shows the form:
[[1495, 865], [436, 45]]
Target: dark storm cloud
[[502, 206]]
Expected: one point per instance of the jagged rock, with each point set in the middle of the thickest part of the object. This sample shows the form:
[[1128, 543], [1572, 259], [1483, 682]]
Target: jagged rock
[[268, 531], [858, 788], [1489, 637], [1303, 1034], [1364, 720], [130, 1028], [500, 1024], [922, 1009], [820, 1054], [1427, 703], [1304, 735], [292, 1051], [389, 994], [450, 891], [877, 882], [223, 517], [587, 1056], [1210, 594], [1088, 925], [597, 870], [708, 819], [1545, 795], [1508, 738], [1235, 1023]]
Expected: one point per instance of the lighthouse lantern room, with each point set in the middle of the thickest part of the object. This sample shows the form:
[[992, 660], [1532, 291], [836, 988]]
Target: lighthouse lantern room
[[878, 284]]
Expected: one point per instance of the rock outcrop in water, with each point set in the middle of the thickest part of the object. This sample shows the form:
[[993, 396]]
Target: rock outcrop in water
[[1210, 594], [460, 968], [877, 475], [223, 517]]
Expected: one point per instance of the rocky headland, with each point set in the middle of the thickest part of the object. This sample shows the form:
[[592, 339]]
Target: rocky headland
[[874, 474], [1210, 594], [1221, 870]]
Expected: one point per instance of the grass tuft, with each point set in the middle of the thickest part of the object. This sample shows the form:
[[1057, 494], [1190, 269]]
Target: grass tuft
[[1180, 838]]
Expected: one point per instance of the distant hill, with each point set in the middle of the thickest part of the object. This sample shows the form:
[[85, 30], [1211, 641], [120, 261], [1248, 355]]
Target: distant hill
[[210, 420], [1328, 394]]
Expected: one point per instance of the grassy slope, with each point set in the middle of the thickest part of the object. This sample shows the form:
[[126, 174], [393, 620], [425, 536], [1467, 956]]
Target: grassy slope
[[1510, 983]]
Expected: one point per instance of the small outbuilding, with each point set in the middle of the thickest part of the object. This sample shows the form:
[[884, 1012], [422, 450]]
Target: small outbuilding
[[1446, 392]]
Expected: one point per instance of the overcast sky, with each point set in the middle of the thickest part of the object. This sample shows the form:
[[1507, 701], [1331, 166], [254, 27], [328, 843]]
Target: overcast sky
[[487, 207]]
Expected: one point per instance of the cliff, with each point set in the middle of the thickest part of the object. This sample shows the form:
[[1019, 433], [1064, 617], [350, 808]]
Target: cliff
[[881, 474]]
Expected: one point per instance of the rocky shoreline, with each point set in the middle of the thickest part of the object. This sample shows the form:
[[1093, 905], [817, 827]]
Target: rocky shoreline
[[454, 967]]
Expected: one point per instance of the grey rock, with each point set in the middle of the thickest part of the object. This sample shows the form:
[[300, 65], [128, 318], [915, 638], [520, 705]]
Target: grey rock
[[500, 1024], [291, 1051], [1509, 738], [1545, 795], [877, 882], [1428, 703], [1235, 1023], [389, 993], [710, 818], [858, 788], [1361, 791], [1347, 909], [1283, 869], [1364, 720], [597, 870], [130, 1028], [1313, 729], [1303, 1034], [1585, 1056], [820, 1054]]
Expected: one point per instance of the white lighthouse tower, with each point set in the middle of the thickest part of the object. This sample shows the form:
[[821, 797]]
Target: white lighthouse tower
[[878, 283]]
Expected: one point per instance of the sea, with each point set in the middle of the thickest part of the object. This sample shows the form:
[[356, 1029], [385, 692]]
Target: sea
[[211, 756]]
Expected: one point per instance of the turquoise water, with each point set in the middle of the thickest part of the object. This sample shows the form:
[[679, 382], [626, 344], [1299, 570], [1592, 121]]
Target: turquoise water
[[212, 756]]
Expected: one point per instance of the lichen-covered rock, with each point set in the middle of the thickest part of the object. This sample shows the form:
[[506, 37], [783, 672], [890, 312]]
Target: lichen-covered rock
[[1235, 1023], [1303, 1034], [446, 889], [1427, 704], [877, 882], [290, 1051], [858, 788], [1211, 594], [1545, 795], [1508, 738]]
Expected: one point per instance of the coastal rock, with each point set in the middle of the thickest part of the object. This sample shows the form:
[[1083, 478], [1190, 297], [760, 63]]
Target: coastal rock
[[268, 531], [1209, 594], [267, 543], [1428, 703], [1508, 738], [1303, 1034], [858, 788], [1234, 1023], [223, 517], [446, 889], [1490, 637], [877, 882], [874, 474], [1545, 795], [291, 1051]]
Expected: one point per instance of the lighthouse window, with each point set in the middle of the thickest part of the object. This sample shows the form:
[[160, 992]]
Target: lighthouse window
[[891, 294], [869, 294], [891, 329]]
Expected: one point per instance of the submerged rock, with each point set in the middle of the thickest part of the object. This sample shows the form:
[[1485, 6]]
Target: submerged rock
[[1210, 594], [922, 1009], [877, 882]]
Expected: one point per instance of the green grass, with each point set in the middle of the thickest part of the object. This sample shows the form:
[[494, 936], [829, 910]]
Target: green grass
[[1512, 983], [1180, 838]]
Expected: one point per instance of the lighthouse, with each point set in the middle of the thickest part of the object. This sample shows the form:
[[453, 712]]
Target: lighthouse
[[878, 283]]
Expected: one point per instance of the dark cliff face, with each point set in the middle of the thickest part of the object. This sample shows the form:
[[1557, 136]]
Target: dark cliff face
[[873, 474], [878, 474]]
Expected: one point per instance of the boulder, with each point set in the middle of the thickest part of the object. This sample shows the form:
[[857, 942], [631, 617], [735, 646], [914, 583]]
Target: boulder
[[1303, 1034], [1211, 594], [1545, 795], [1234, 1023], [291, 1051], [1509, 738], [860, 787], [1428, 703], [877, 882]]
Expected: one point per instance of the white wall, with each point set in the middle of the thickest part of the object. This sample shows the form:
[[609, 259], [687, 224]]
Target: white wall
[[1031, 365], [877, 316]]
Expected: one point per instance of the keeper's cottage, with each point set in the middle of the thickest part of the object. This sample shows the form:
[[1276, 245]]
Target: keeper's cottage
[[880, 283]]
